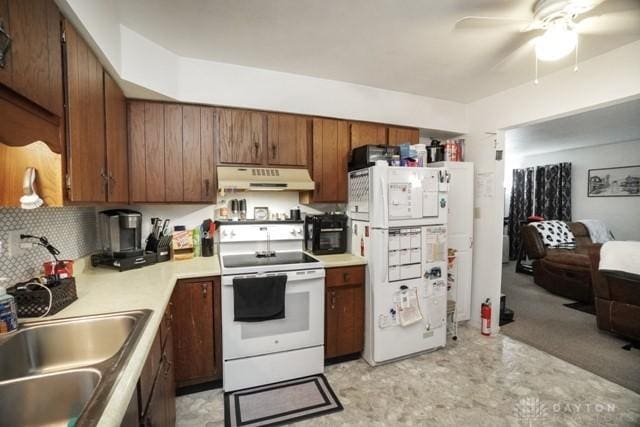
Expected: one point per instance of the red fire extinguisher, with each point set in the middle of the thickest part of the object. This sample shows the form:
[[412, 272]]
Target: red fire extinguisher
[[485, 315]]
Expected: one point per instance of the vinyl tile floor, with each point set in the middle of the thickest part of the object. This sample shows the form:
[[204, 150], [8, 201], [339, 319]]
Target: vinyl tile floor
[[476, 381]]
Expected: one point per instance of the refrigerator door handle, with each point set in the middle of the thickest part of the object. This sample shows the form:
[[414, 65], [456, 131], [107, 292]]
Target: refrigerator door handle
[[384, 206]]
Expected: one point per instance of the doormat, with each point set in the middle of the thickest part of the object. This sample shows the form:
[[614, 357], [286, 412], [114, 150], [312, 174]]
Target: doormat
[[580, 306], [280, 403]]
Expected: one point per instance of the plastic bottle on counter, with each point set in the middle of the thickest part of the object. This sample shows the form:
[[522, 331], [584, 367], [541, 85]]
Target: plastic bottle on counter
[[8, 310], [421, 154], [197, 244]]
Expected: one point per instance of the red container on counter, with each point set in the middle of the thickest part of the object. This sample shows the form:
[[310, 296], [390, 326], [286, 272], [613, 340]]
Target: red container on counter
[[63, 268]]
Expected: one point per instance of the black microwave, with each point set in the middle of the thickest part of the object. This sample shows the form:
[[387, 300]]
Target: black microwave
[[326, 234]]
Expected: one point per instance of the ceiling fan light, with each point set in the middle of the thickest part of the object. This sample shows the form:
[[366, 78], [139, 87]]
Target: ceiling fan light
[[556, 43]]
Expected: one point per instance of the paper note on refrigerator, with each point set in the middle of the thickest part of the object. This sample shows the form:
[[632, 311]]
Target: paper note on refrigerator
[[407, 307]]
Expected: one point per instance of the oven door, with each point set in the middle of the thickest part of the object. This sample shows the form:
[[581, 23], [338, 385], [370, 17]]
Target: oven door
[[302, 326]]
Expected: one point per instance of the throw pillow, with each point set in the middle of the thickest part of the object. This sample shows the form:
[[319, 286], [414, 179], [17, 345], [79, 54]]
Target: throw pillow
[[555, 233]]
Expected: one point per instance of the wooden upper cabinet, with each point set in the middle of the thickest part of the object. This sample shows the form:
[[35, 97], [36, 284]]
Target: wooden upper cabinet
[[399, 135], [330, 157], [367, 133], [288, 139], [33, 62], [85, 122], [172, 153], [241, 136], [115, 111]]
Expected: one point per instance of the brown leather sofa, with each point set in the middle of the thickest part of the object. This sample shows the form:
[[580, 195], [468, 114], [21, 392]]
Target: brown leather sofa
[[617, 298], [564, 272]]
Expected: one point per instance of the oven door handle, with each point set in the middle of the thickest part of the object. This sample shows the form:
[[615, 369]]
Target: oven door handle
[[324, 230]]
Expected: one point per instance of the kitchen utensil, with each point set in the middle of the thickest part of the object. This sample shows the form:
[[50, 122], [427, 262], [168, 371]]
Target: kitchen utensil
[[294, 214], [242, 207], [261, 213]]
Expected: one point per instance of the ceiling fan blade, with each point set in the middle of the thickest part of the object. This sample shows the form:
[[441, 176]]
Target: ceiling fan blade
[[615, 23], [491, 22], [515, 51], [610, 7]]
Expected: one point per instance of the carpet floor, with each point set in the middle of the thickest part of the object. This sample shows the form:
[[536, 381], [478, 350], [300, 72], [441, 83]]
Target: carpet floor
[[542, 321]]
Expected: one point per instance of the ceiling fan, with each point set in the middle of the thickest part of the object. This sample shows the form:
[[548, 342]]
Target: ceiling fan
[[555, 26]]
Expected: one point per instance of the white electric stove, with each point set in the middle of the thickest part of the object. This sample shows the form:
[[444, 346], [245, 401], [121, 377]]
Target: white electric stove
[[256, 353]]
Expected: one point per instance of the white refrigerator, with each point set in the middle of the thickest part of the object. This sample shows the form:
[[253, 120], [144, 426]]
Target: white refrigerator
[[399, 220], [460, 233]]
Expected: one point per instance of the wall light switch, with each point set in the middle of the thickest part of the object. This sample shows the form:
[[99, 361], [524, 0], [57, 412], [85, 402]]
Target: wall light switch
[[476, 213], [14, 247]]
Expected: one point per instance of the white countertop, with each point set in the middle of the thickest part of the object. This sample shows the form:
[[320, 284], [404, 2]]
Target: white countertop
[[101, 290], [340, 260]]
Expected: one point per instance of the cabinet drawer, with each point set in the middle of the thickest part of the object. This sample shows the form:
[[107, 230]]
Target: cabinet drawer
[[345, 276]]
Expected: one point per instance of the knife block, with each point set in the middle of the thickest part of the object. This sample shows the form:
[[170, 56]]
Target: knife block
[[161, 247]]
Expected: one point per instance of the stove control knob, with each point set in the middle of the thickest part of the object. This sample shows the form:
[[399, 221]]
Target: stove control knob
[[233, 234], [224, 233], [298, 231]]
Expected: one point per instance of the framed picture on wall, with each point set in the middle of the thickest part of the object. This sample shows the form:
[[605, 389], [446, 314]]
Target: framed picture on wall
[[614, 182]]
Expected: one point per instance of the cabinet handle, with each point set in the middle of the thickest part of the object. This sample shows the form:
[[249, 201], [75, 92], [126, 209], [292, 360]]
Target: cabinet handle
[[111, 182], [5, 43], [274, 151], [206, 187], [204, 290], [256, 146], [105, 180], [346, 277], [333, 300]]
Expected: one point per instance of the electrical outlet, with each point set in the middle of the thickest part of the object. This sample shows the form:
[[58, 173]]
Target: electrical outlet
[[15, 247]]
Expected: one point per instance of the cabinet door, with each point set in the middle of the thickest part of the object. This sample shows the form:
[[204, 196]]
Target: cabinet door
[[5, 69], [208, 181], [173, 152], [34, 62], [198, 154], [169, 382], [137, 157], [241, 136], [287, 140], [330, 157], [115, 110], [86, 164], [399, 136], [195, 325], [367, 133], [146, 152], [344, 322]]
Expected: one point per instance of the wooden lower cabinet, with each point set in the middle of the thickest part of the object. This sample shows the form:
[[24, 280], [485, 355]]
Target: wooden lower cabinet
[[344, 311], [196, 323], [157, 387]]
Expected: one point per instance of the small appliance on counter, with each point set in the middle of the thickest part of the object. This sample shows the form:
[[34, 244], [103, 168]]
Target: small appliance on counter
[[121, 238], [367, 155], [326, 234]]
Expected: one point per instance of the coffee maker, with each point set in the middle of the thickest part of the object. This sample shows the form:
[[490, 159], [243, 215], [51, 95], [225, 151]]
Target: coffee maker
[[121, 240]]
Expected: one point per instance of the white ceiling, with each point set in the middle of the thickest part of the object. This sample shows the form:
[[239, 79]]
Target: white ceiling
[[403, 45], [616, 123]]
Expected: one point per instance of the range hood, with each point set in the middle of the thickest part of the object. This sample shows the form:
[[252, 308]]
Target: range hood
[[263, 179]]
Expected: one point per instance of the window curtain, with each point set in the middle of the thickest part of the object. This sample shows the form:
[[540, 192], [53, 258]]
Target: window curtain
[[520, 206], [543, 190], [553, 191]]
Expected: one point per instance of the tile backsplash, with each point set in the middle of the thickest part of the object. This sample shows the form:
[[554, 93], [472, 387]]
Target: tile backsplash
[[71, 229]]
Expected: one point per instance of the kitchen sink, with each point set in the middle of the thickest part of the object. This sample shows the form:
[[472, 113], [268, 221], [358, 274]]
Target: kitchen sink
[[56, 345], [56, 371], [50, 399]]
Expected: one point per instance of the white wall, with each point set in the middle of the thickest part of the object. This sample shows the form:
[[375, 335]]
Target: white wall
[[622, 214], [605, 79]]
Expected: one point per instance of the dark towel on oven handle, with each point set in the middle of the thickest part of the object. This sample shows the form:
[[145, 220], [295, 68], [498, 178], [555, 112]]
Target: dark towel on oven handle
[[256, 299]]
